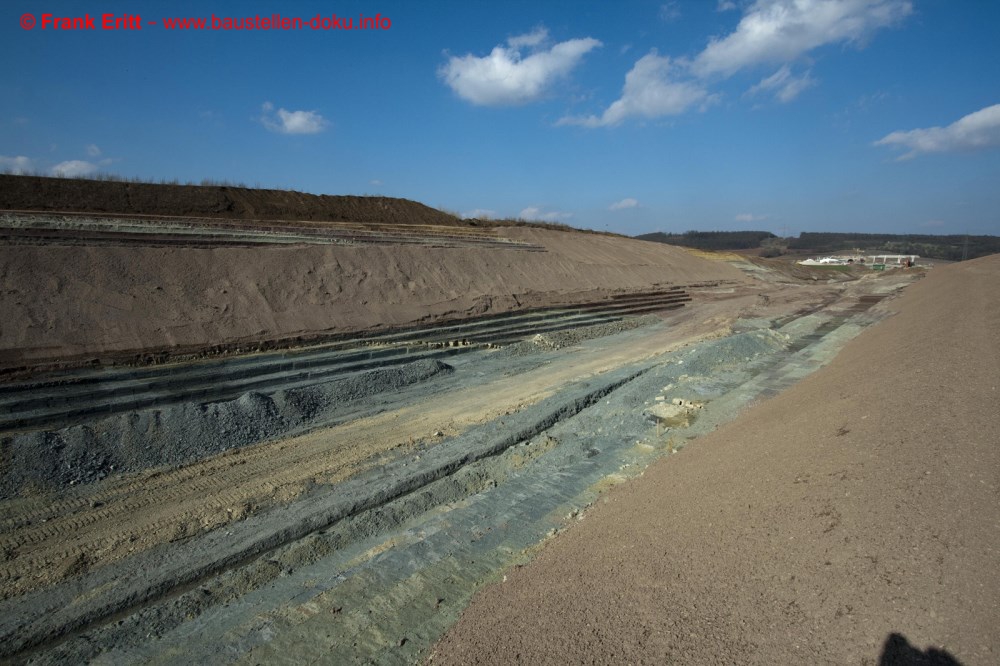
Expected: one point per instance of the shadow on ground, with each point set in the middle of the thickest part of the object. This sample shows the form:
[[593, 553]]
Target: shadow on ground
[[897, 651]]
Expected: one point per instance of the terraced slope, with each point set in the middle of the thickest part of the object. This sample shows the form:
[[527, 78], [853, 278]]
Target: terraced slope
[[72, 304]]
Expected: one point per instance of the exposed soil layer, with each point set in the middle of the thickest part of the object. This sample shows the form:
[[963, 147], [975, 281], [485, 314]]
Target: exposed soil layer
[[259, 525], [71, 194], [67, 304], [186, 431], [87, 229], [227, 505], [850, 519]]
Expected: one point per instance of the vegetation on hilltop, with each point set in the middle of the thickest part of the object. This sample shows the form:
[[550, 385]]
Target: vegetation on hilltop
[[113, 196], [954, 247], [109, 194], [712, 240]]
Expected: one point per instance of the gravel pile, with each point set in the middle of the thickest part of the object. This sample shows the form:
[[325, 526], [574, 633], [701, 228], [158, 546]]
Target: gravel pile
[[573, 336], [45, 460], [735, 350]]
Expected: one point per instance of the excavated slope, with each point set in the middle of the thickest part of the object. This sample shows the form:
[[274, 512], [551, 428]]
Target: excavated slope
[[64, 302]]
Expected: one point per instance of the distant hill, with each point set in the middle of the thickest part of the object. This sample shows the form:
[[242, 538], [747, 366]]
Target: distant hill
[[954, 247], [38, 193], [712, 240]]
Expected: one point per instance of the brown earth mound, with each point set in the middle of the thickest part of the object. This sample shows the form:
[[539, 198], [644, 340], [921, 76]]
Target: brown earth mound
[[38, 193], [67, 302], [849, 520], [73, 303]]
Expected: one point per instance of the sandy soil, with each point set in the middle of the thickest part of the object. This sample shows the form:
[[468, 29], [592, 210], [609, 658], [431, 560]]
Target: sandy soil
[[70, 302], [851, 519]]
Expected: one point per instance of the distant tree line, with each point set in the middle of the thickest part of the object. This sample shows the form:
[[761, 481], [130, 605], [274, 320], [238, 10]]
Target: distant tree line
[[954, 247], [712, 240]]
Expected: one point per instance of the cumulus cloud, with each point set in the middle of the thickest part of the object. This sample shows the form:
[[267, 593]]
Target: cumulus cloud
[[779, 31], [624, 203], [509, 77], [976, 131], [651, 90], [74, 168], [769, 32], [750, 217], [291, 122], [16, 165], [783, 84], [535, 213], [479, 214]]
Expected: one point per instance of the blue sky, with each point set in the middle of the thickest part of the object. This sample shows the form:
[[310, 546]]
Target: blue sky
[[784, 115]]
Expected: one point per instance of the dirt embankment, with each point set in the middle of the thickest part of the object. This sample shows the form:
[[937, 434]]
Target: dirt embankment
[[848, 520], [38, 193], [70, 302]]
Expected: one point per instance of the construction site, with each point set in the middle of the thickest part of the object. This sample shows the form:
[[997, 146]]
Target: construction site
[[250, 426]]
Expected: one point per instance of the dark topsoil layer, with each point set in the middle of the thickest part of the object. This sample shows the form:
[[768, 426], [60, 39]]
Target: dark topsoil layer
[[38, 193]]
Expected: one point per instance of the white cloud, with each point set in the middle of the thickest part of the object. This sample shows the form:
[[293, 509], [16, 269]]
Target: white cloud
[[16, 165], [479, 214], [505, 77], [93, 150], [750, 217], [624, 203], [783, 84], [650, 91], [291, 122], [535, 213], [770, 31], [74, 168], [530, 39], [376, 182], [779, 31], [975, 131]]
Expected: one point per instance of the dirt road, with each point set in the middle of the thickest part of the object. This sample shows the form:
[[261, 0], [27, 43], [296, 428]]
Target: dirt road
[[851, 519]]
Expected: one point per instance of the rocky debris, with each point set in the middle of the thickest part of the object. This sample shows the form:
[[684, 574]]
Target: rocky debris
[[676, 414], [131, 442], [737, 350], [567, 338]]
